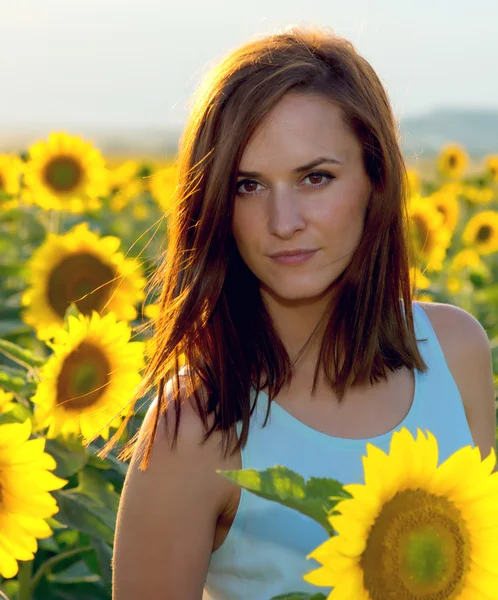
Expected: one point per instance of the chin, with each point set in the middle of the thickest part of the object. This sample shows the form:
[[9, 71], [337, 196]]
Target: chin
[[299, 292]]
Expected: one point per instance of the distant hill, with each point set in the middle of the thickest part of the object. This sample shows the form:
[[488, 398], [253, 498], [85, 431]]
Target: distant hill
[[477, 130], [421, 135]]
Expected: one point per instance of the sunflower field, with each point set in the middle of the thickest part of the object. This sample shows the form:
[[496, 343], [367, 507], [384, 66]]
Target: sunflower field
[[80, 239]]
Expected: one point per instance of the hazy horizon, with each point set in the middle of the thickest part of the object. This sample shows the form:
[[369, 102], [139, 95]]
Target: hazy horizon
[[102, 64]]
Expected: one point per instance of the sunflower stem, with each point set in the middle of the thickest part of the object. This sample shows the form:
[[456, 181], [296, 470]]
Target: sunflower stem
[[24, 579], [48, 564]]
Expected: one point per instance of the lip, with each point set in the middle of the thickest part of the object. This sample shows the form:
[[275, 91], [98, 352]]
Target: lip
[[297, 251], [293, 257]]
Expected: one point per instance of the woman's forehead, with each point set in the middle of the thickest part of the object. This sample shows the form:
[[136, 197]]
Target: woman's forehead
[[296, 131]]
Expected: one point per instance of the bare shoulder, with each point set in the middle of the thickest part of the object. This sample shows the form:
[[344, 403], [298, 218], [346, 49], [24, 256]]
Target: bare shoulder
[[169, 511], [456, 328], [467, 351], [190, 455]]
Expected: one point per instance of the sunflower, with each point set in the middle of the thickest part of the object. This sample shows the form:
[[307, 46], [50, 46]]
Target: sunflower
[[80, 267], [465, 259], [11, 168], [430, 237], [481, 232], [452, 160], [446, 202], [454, 284], [413, 181], [477, 195], [424, 298], [491, 162], [418, 280], [25, 502], [140, 211], [65, 173], [6, 401], [162, 185], [151, 311], [465, 270], [414, 530], [85, 384], [123, 184]]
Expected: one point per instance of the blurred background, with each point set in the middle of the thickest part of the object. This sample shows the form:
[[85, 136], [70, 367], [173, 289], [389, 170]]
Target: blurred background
[[122, 73], [93, 97]]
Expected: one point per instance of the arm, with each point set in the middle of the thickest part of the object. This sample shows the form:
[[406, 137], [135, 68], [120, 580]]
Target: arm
[[167, 515], [468, 354]]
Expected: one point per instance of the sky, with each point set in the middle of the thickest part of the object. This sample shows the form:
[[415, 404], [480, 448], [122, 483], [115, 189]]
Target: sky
[[134, 64]]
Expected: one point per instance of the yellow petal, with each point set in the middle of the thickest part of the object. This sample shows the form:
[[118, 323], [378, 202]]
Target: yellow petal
[[322, 577], [17, 534], [348, 527], [15, 548], [329, 553], [350, 584], [449, 474], [28, 485], [484, 581], [14, 434], [8, 564], [37, 527], [424, 460]]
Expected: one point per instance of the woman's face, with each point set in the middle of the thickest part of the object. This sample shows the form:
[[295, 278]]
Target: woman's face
[[301, 186]]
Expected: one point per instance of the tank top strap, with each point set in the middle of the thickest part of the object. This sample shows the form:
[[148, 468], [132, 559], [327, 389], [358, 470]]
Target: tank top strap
[[427, 340]]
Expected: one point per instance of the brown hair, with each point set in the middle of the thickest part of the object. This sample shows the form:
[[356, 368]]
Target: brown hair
[[211, 311]]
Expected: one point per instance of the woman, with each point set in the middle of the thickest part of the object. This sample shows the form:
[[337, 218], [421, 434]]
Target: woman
[[286, 290]]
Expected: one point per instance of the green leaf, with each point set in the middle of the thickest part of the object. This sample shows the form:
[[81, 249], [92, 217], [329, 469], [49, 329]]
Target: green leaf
[[13, 326], [13, 270], [91, 507], [12, 383], [17, 414], [20, 355], [48, 544], [48, 590], [79, 512], [10, 588], [104, 556], [69, 454], [98, 463], [315, 498], [93, 485], [78, 572], [110, 460]]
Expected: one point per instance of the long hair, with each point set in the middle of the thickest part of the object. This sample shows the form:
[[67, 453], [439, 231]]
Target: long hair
[[211, 312]]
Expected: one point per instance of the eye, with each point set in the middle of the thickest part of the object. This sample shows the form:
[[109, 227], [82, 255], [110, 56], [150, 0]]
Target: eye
[[247, 187], [317, 178]]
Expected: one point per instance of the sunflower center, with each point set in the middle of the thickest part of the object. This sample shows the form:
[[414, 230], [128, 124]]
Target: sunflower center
[[81, 278], [83, 377], [452, 160], [418, 548], [2, 182], [63, 174], [484, 233], [444, 212]]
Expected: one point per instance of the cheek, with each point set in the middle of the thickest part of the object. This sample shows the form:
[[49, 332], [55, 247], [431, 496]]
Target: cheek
[[343, 219]]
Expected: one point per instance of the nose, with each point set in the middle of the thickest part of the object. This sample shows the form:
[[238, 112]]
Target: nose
[[285, 216]]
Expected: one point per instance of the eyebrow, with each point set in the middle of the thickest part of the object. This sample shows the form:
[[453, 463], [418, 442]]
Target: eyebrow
[[314, 163]]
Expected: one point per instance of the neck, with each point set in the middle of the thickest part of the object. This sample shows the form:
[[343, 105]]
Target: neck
[[300, 324]]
